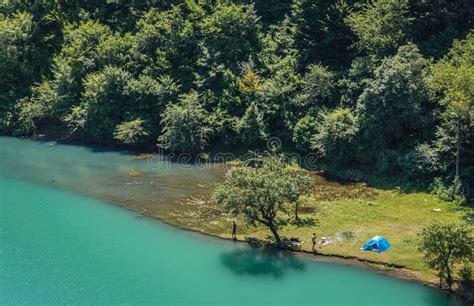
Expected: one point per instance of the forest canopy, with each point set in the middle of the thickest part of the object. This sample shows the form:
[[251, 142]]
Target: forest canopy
[[377, 89]]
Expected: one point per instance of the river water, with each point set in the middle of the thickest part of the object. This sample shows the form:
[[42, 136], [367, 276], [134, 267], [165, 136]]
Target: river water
[[59, 245]]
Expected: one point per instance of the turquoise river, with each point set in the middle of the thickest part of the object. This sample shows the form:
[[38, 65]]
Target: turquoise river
[[62, 243]]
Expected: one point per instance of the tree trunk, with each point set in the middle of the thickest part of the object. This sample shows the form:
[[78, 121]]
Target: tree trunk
[[458, 147], [296, 211], [275, 233], [449, 279]]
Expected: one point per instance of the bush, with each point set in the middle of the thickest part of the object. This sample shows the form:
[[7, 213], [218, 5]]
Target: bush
[[131, 132], [303, 131], [185, 125], [451, 193], [421, 163]]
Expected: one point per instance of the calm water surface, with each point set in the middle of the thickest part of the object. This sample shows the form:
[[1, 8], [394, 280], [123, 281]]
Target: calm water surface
[[58, 246]]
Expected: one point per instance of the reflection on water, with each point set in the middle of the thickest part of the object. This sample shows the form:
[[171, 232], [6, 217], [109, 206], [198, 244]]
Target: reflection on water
[[256, 260]]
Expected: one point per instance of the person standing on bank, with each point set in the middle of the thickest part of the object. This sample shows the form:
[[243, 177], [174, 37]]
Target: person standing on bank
[[313, 240], [234, 230]]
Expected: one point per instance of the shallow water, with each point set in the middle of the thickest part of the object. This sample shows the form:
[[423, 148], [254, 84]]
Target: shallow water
[[61, 247], [105, 174]]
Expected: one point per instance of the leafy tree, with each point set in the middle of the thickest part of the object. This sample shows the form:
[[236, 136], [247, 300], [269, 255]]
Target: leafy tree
[[321, 34], [150, 97], [78, 57], [335, 138], [262, 194], [166, 43], [421, 164], [131, 132], [15, 49], [304, 131], [452, 192], [185, 125], [317, 88], [281, 79], [251, 126], [76, 119], [445, 244], [381, 26], [105, 101], [230, 33], [394, 109], [451, 81], [41, 106], [437, 23]]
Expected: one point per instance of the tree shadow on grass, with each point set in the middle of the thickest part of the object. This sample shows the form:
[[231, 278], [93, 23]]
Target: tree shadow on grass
[[261, 260]]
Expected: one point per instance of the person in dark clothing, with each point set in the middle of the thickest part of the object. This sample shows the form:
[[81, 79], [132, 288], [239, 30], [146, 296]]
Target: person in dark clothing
[[313, 240], [234, 230]]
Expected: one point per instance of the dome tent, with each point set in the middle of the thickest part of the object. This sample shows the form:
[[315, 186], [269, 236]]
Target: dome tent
[[378, 244]]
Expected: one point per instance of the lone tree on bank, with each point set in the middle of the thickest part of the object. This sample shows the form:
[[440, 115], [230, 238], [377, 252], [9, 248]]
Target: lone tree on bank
[[445, 244], [263, 193]]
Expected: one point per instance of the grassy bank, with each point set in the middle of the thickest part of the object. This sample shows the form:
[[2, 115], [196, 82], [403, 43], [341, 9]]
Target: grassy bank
[[350, 214]]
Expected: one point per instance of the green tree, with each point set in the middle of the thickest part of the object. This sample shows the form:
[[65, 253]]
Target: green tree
[[321, 34], [185, 125], [451, 82], [131, 132], [262, 194], [78, 57], [281, 80], [335, 138], [167, 42], [394, 110], [445, 244], [251, 126], [105, 101], [230, 33], [303, 132], [150, 97], [15, 71], [40, 107], [317, 88], [381, 26]]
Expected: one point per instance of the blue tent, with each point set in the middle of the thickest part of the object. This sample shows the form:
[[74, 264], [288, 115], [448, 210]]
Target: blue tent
[[377, 244]]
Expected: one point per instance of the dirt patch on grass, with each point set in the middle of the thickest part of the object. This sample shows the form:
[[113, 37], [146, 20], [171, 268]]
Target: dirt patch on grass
[[325, 190]]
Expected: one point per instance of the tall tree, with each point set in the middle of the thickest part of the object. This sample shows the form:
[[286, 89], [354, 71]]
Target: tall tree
[[451, 81], [251, 126], [15, 71], [381, 26], [394, 109], [105, 101], [335, 139], [321, 34], [185, 125]]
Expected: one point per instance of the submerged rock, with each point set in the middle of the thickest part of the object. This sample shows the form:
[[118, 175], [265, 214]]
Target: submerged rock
[[134, 173]]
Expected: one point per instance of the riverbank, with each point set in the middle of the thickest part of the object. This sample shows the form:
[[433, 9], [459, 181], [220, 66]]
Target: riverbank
[[349, 214]]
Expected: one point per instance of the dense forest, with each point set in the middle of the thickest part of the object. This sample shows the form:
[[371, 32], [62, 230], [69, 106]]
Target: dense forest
[[380, 90]]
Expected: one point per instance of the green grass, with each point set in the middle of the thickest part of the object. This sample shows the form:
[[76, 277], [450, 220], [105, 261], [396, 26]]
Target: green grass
[[396, 217], [348, 213]]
